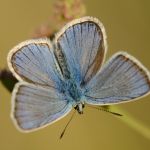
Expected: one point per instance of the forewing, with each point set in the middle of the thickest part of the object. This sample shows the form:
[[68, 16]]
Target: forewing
[[81, 44], [35, 107], [33, 61], [122, 79]]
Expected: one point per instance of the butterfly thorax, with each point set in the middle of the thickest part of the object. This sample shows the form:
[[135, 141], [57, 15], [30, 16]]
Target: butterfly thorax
[[75, 95], [73, 90]]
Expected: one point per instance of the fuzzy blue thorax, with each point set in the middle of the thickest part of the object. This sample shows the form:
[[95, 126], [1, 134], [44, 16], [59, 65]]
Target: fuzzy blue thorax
[[73, 90]]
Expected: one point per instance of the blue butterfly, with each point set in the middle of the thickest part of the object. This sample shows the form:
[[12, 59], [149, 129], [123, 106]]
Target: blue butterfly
[[56, 76]]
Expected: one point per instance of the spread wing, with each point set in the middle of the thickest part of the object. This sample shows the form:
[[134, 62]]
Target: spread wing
[[35, 106], [123, 78], [33, 61], [81, 45]]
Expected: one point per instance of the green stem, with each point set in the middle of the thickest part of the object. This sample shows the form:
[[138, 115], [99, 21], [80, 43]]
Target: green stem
[[132, 122]]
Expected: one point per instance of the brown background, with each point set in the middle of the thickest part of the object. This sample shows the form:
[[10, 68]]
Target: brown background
[[128, 28]]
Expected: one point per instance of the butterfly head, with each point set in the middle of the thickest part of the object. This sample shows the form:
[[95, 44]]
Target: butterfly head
[[79, 107]]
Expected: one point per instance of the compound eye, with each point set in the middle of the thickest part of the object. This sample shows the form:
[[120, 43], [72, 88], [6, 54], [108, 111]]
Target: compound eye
[[76, 107], [83, 105]]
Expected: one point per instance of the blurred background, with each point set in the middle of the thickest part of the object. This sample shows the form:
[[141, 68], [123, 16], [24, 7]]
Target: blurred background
[[127, 24]]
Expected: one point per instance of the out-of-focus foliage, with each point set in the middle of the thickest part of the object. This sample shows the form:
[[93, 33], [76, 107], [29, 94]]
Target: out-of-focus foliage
[[7, 79]]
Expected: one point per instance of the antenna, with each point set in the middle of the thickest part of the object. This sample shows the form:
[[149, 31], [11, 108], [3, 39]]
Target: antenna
[[106, 110], [62, 134]]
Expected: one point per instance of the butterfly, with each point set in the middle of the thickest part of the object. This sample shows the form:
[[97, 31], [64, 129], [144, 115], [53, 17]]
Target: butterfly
[[68, 72]]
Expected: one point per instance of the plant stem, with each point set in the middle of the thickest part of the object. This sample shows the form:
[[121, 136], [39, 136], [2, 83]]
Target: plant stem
[[132, 122]]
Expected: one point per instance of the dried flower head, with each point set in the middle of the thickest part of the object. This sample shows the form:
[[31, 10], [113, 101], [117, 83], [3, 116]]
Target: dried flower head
[[63, 12]]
